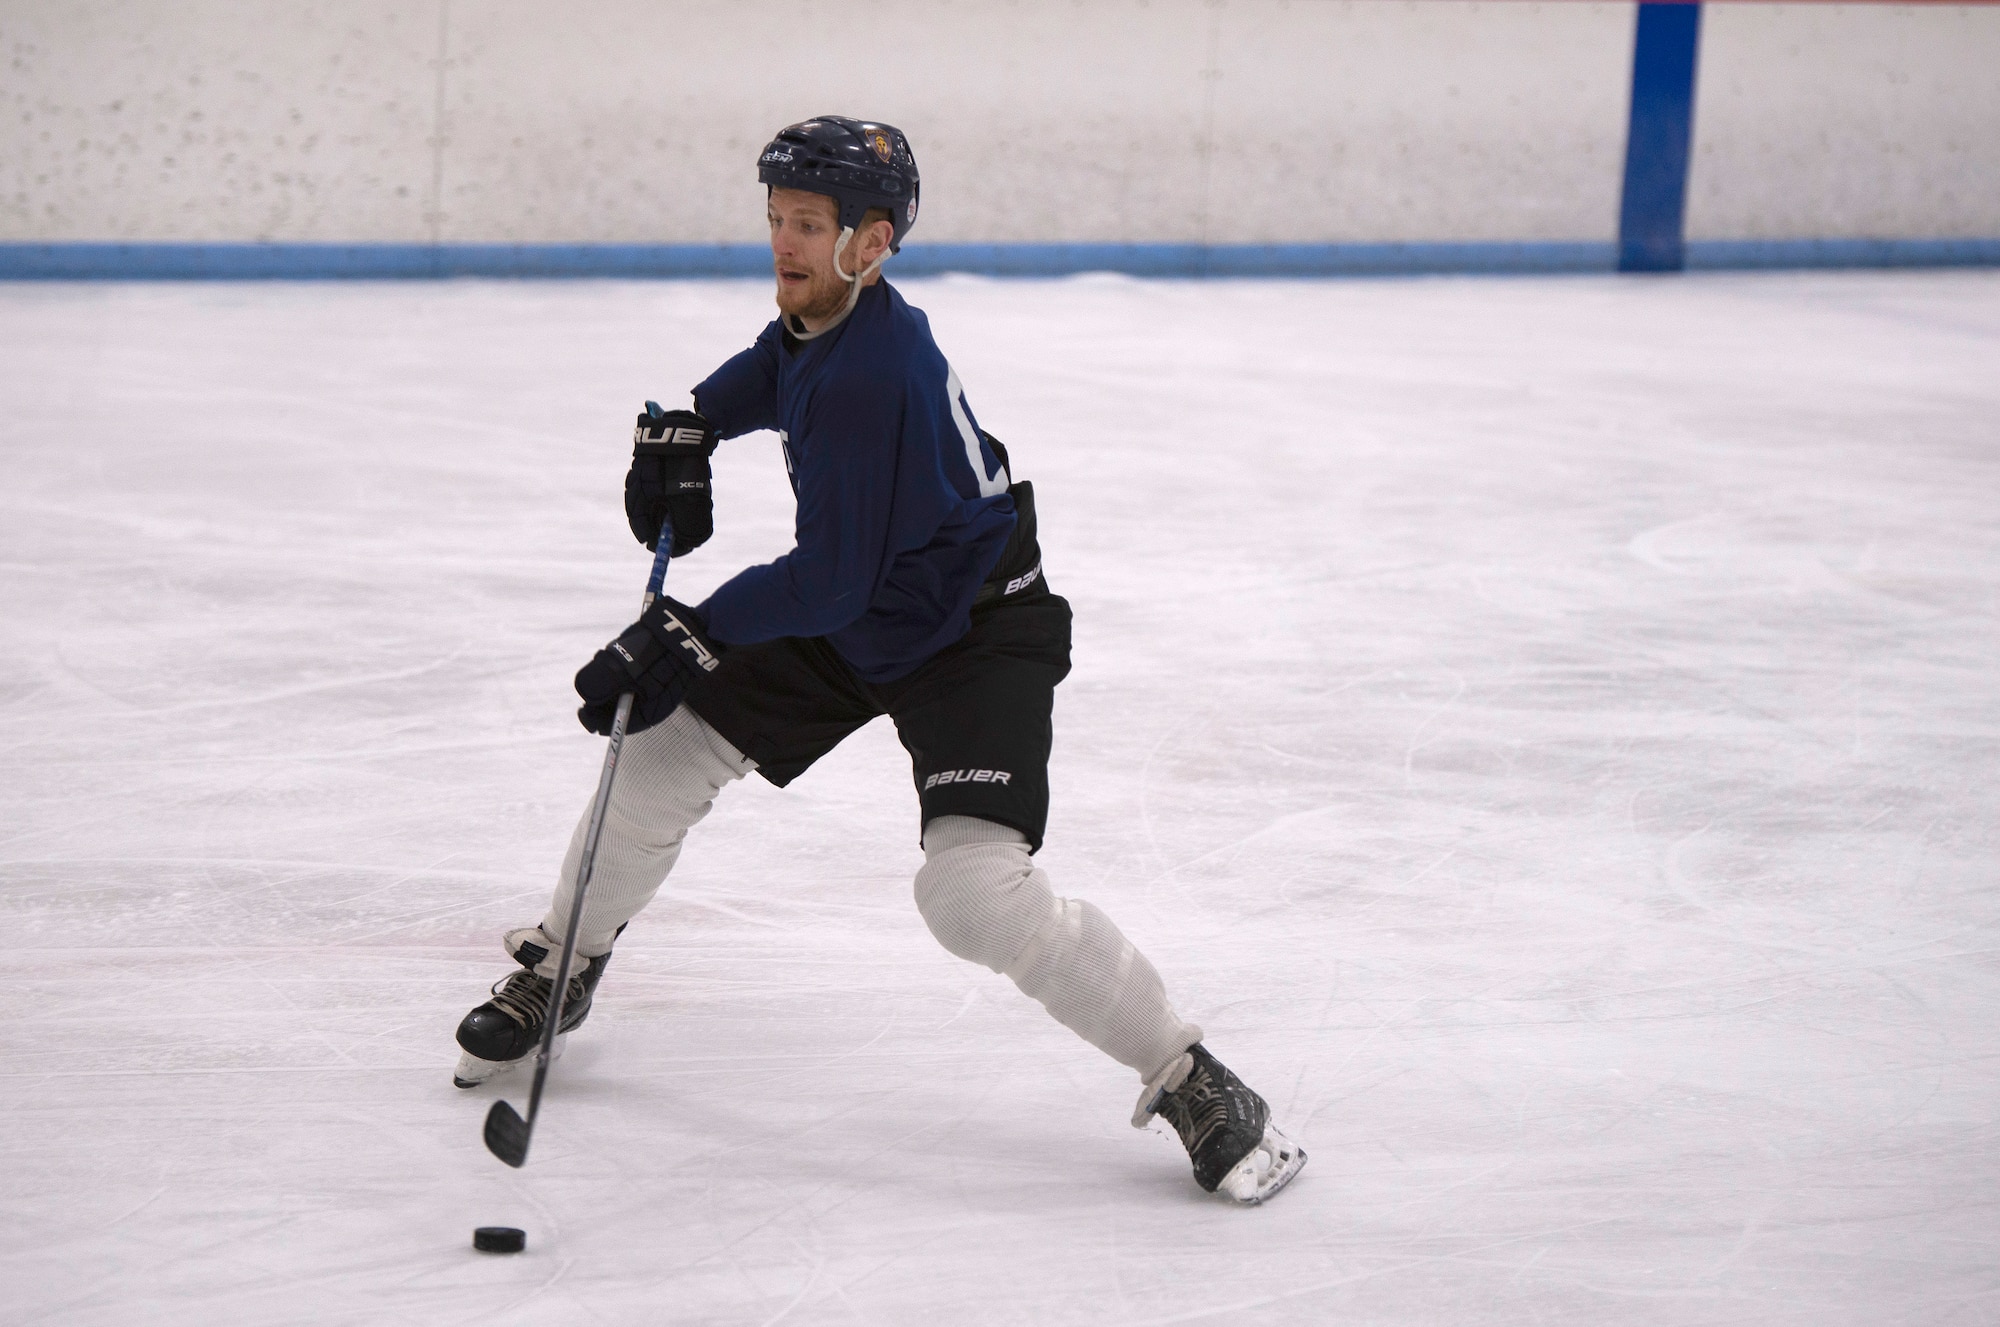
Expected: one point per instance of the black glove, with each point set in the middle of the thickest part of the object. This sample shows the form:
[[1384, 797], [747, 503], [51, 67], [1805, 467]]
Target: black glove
[[655, 658], [669, 478]]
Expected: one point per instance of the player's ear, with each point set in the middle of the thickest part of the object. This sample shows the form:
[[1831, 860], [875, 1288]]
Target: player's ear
[[879, 234]]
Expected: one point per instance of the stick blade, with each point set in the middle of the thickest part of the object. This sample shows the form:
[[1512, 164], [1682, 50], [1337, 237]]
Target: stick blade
[[507, 1134]]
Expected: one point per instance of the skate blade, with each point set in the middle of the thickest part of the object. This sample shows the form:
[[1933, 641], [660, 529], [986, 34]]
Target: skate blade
[[1271, 1165], [472, 1071]]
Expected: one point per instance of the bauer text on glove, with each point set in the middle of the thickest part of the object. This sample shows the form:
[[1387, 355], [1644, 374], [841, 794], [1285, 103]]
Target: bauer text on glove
[[670, 478]]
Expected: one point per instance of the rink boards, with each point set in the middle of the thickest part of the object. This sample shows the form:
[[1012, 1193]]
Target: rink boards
[[1172, 137]]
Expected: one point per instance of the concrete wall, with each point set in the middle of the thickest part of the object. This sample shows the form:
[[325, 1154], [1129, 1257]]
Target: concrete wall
[[1820, 121], [216, 121], [1192, 121]]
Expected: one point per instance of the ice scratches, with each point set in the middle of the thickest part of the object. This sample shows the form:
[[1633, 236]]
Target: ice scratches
[[812, 1279], [275, 694], [1676, 878], [135, 1209], [965, 1004], [1573, 799], [1415, 742], [1646, 545]]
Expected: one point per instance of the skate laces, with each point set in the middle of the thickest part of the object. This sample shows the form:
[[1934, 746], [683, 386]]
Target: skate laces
[[1215, 1113], [524, 997], [1199, 1107], [1223, 1125]]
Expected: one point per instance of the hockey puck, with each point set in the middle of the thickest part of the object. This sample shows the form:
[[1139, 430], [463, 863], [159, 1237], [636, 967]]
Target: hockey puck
[[499, 1239]]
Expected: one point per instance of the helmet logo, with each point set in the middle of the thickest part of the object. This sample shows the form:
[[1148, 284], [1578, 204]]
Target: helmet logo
[[880, 142]]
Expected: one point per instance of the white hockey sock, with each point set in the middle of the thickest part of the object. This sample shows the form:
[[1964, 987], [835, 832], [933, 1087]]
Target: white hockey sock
[[667, 779], [985, 900]]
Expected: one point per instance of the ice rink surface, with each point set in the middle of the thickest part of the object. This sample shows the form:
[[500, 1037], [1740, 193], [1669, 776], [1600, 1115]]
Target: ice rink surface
[[1545, 730]]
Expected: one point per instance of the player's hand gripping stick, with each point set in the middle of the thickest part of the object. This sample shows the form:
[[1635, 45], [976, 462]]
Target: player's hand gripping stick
[[507, 1134]]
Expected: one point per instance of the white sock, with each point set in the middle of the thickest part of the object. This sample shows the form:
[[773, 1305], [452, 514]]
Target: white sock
[[985, 900], [668, 777]]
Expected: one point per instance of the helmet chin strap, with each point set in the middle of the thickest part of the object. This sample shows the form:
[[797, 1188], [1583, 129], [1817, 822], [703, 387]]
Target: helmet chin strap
[[854, 284]]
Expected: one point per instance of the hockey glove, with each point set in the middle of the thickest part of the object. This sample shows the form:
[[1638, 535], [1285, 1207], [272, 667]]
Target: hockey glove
[[655, 659], [669, 478]]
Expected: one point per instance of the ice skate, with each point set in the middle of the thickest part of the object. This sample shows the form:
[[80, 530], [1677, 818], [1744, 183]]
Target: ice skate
[[1226, 1128], [505, 1030]]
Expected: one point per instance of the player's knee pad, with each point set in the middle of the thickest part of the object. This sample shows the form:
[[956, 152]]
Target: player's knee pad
[[980, 892], [986, 901]]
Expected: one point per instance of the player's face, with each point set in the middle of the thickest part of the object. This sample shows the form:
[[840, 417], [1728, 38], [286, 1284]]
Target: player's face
[[804, 228]]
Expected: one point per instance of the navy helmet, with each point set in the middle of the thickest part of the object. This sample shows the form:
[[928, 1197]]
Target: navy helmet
[[858, 163]]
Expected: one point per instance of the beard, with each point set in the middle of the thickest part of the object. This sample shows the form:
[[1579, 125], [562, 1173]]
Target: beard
[[820, 296]]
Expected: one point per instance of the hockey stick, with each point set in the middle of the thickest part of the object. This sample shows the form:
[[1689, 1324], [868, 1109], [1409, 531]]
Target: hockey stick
[[507, 1134]]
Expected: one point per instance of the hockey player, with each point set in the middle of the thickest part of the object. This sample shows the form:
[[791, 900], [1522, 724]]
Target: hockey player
[[915, 590]]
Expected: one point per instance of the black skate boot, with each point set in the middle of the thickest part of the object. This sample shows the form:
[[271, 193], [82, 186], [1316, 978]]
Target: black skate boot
[[1225, 1127], [507, 1029]]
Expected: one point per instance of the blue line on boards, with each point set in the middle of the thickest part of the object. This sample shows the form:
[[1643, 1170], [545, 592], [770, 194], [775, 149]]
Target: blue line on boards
[[1665, 48], [1753, 255]]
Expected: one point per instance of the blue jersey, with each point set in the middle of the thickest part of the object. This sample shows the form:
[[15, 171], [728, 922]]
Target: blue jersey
[[902, 507]]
